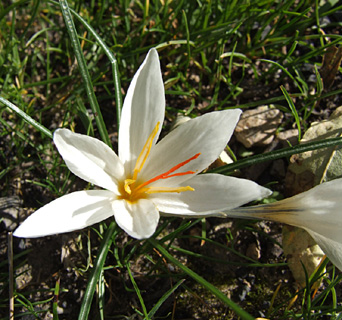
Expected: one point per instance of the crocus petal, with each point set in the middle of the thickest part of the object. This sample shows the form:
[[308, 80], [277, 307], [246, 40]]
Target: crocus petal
[[207, 135], [71, 212], [318, 211], [213, 193], [89, 159], [138, 219], [143, 108], [331, 247]]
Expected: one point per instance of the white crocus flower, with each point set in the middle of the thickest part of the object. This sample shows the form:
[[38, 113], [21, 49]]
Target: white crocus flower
[[318, 211], [146, 177]]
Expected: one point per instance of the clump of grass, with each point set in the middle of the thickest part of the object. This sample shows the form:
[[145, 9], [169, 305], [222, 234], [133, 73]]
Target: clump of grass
[[215, 55]]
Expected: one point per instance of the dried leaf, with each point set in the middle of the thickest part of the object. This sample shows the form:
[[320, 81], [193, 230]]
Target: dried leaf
[[330, 64]]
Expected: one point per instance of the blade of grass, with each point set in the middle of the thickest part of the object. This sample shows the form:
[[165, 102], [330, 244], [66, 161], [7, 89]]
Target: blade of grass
[[113, 61], [11, 7], [26, 117], [163, 298], [55, 301], [96, 272], [188, 48], [84, 71], [293, 110], [11, 276], [243, 314], [285, 71], [102, 289], [277, 154], [137, 291]]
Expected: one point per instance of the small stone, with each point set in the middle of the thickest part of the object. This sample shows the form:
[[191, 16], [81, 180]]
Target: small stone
[[253, 251], [257, 127], [10, 208], [288, 137]]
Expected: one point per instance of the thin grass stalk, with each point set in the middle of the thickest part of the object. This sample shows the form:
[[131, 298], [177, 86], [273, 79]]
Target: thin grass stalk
[[26, 117], [33, 15], [11, 7], [96, 272], [278, 154], [163, 299], [137, 291], [11, 276], [240, 312], [55, 301], [113, 61], [188, 48], [84, 72], [293, 110]]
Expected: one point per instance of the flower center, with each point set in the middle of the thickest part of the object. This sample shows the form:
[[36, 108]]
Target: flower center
[[132, 189]]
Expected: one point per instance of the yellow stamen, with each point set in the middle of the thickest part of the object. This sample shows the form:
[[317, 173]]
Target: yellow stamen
[[132, 189], [161, 190], [145, 152], [127, 187]]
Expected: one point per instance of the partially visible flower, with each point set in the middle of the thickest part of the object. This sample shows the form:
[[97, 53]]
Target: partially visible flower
[[146, 177], [318, 211]]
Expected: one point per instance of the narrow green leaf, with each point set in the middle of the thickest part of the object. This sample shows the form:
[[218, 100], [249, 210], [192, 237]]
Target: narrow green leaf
[[102, 290], [137, 291], [84, 71], [113, 61], [96, 272], [293, 110], [319, 84], [243, 314], [285, 71], [55, 301], [187, 41], [278, 154], [163, 299], [26, 117]]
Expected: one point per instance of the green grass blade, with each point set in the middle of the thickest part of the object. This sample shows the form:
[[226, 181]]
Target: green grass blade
[[55, 301], [137, 291], [6, 10], [102, 290], [293, 110], [286, 72], [163, 299], [243, 314], [277, 154], [113, 61], [26, 117], [188, 48], [84, 71], [96, 272]]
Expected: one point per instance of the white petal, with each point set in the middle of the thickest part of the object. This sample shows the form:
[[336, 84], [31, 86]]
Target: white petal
[[89, 158], [331, 247], [138, 219], [318, 211], [143, 107], [71, 212], [207, 135], [213, 193]]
